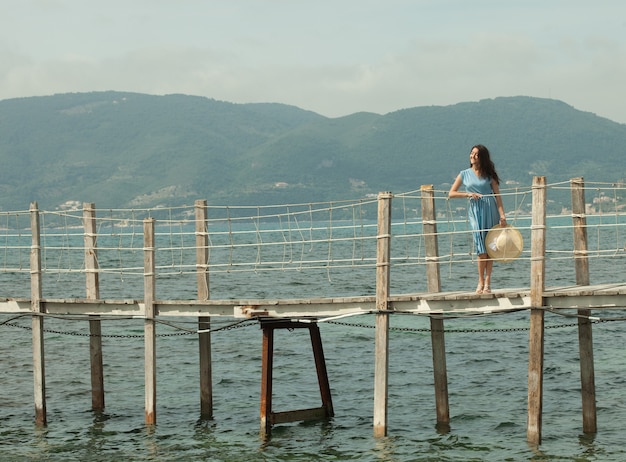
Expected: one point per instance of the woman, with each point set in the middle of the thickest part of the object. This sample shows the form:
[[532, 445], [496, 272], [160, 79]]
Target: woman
[[482, 188]]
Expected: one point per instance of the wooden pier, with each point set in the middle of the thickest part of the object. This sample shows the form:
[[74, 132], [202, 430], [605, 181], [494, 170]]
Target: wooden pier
[[305, 313]]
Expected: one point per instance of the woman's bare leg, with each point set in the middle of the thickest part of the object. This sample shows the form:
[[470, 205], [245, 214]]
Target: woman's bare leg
[[482, 269], [488, 269]]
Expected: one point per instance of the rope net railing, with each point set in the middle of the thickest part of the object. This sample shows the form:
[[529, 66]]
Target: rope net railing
[[301, 250]]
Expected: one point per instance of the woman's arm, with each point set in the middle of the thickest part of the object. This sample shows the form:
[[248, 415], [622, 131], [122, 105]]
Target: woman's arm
[[454, 190], [496, 190]]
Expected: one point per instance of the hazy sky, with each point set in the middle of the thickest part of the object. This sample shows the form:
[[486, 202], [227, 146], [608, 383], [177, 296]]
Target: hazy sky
[[334, 57]]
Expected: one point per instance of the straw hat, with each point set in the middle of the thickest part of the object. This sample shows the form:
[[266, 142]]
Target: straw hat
[[504, 243]]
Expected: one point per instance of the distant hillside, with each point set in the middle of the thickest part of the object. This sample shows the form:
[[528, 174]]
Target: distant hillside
[[134, 150]]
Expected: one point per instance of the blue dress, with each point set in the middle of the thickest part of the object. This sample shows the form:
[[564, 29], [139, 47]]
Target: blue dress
[[482, 213]]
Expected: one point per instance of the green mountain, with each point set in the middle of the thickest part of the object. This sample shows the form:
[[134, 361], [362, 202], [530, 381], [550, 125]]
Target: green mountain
[[133, 150]]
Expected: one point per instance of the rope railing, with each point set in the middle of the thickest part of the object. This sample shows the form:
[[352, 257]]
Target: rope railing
[[330, 238]]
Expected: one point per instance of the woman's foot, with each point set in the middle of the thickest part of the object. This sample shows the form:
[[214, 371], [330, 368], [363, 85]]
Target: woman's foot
[[479, 288], [487, 286]]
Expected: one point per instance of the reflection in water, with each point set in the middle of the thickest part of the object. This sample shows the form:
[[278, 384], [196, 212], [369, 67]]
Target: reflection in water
[[385, 448], [588, 445], [96, 433], [151, 442], [40, 440]]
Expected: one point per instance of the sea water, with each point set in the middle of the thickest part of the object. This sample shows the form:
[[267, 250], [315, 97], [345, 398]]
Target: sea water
[[487, 364]]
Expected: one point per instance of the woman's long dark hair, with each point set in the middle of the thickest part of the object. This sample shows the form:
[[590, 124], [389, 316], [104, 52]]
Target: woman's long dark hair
[[486, 165]]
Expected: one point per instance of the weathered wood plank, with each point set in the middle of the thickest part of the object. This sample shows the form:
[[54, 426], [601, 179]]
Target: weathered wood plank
[[317, 413], [320, 367], [92, 290], [603, 296], [149, 324], [433, 283], [585, 337], [536, 336], [204, 322], [381, 347], [267, 371], [39, 366]]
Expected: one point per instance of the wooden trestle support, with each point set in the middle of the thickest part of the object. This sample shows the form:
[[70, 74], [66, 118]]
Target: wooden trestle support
[[268, 417]]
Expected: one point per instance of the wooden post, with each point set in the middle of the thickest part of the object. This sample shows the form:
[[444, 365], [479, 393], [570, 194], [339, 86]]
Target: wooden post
[[149, 323], [436, 325], [267, 368], [39, 369], [204, 322], [320, 367], [537, 286], [93, 293], [585, 337], [381, 360]]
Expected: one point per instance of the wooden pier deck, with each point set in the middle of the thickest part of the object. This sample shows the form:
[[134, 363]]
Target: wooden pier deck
[[590, 297], [580, 298]]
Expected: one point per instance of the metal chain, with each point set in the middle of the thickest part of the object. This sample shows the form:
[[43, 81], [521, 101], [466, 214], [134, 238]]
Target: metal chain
[[464, 331], [241, 325], [84, 334]]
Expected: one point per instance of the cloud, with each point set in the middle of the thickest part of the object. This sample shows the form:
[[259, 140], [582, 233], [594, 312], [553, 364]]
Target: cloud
[[327, 57]]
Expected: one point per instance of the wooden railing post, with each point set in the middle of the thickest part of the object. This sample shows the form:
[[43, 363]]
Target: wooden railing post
[[585, 337], [39, 369], [93, 293], [204, 322], [537, 286], [381, 360], [436, 324], [149, 323]]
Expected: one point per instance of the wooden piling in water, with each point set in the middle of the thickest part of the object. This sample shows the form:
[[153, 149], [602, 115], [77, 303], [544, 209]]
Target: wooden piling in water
[[39, 368], [92, 289], [149, 322], [204, 322], [381, 347], [536, 336], [437, 334], [585, 337], [267, 371]]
